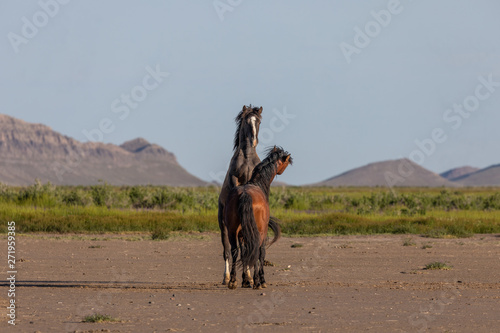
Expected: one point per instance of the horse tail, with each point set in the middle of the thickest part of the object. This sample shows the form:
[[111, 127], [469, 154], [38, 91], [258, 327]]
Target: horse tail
[[275, 227], [250, 233]]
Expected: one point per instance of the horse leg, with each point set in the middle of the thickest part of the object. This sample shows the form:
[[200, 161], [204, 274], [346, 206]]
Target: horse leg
[[247, 278], [256, 277], [233, 282], [246, 275], [262, 259], [225, 243], [227, 253]]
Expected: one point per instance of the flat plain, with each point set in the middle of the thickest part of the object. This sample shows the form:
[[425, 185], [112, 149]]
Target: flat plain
[[352, 283]]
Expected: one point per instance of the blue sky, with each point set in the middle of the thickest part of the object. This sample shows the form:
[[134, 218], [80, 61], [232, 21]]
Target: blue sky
[[332, 109]]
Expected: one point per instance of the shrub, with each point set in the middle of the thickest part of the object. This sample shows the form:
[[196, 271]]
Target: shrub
[[39, 194], [76, 197], [438, 265], [101, 194], [409, 242], [141, 197], [98, 318]]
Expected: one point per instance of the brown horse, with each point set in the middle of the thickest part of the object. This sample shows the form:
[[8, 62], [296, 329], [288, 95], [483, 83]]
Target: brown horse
[[242, 163], [246, 217]]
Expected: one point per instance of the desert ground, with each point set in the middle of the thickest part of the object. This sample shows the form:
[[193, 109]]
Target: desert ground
[[315, 284]]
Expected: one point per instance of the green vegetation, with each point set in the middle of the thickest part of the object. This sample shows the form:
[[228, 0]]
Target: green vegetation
[[438, 265], [409, 242], [163, 211], [99, 318]]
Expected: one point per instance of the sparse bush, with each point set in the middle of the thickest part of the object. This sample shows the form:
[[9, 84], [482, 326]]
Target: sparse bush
[[491, 201], [7, 193], [101, 194], [438, 266], [141, 197], [303, 211], [404, 228], [76, 197], [297, 201], [436, 233], [409, 242], [39, 194], [160, 234], [99, 318]]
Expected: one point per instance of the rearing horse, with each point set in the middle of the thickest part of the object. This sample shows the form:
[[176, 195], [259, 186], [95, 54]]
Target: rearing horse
[[242, 163], [246, 217]]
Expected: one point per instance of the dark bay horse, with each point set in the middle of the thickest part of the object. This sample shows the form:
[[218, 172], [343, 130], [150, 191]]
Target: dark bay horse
[[247, 217], [242, 163]]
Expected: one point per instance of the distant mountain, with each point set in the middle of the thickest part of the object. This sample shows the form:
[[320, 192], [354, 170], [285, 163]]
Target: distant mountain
[[455, 173], [402, 172], [489, 176], [29, 151], [277, 183]]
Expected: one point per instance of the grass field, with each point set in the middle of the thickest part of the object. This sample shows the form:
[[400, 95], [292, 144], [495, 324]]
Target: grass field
[[163, 211]]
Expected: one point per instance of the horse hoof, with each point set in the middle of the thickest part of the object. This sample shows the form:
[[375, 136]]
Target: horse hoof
[[232, 285], [264, 285], [225, 281], [257, 286], [246, 284]]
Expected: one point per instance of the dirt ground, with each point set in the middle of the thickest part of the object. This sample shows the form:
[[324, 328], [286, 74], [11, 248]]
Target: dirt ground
[[321, 284]]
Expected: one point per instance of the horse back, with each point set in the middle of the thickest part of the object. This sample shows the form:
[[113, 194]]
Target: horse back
[[241, 168], [260, 208]]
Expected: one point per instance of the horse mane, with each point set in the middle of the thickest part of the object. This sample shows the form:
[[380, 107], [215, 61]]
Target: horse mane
[[245, 112], [265, 170]]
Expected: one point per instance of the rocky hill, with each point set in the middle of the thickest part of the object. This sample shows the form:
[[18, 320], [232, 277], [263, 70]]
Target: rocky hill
[[458, 172], [402, 172], [489, 176], [29, 151]]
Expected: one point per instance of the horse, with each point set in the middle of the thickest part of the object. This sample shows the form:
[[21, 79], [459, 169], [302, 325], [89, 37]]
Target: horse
[[242, 163], [247, 217]]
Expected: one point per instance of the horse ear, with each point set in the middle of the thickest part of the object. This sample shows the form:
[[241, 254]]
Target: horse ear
[[260, 111], [287, 158], [275, 149], [244, 108]]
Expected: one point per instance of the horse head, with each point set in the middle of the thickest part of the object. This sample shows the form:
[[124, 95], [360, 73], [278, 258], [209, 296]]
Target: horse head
[[247, 126], [283, 160]]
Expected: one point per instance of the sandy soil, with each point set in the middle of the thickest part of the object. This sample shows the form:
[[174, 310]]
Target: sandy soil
[[325, 284]]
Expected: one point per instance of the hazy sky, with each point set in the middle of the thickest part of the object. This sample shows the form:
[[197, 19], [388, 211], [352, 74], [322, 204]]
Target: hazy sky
[[342, 83]]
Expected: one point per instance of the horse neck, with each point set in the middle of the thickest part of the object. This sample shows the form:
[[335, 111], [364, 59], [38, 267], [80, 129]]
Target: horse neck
[[247, 148], [263, 184]]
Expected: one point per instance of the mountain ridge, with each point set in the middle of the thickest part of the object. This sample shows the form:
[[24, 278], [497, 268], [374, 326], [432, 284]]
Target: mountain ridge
[[489, 176], [456, 173], [32, 151], [29, 151], [389, 173]]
